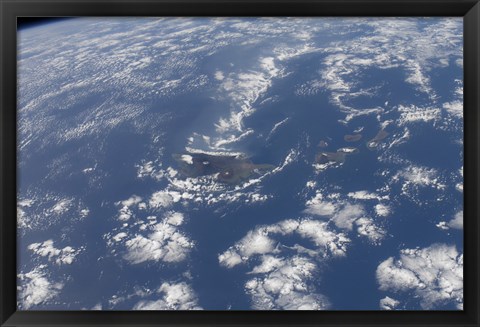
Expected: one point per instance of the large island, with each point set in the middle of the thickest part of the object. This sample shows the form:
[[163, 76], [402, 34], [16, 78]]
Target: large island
[[226, 168]]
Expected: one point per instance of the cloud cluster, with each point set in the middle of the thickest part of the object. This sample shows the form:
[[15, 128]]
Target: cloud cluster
[[284, 285], [165, 243], [434, 274], [36, 287], [260, 240], [282, 278], [41, 210], [387, 303], [172, 296], [346, 215], [414, 114], [47, 249], [455, 223], [414, 179]]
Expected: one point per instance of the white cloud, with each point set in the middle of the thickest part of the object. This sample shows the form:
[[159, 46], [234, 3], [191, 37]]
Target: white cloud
[[161, 199], [363, 195], [36, 288], [174, 296], [125, 212], [328, 242], [417, 176], [175, 218], [455, 223], [187, 158], [166, 243], [118, 237], [43, 210], [219, 76], [260, 240], [134, 199], [366, 227], [62, 206], [382, 210], [345, 217], [284, 285], [320, 207], [255, 242], [60, 256], [387, 303], [434, 274], [413, 114], [454, 108]]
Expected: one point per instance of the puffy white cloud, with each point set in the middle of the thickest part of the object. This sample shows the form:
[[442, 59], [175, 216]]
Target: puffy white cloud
[[387, 303], [161, 199], [328, 242], [345, 217], [36, 287], [118, 237], [175, 218], [454, 108], [363, 195], [434, 274], [125, 212], [320, 206], [134, 199], [219, 76], [282, 280], [166, 243], [59, 256], [415, 178], [62, 206], [421, 176], [255, 242], [284, 285], [366, 227], [382, 210], [414, 114], [42, 210], [173, 296], [455, 223], [260, 240], [187, 158]]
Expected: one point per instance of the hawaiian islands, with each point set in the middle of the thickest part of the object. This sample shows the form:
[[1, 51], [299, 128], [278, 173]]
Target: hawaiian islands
[[373, 143], [337, 157], [352, 138], [225, 168]]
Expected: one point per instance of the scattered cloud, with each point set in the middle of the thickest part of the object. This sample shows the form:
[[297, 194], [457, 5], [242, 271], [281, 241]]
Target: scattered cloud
[[36, 288], [60, 256], [387, 303], [165, 243], [260, 240], [455, 223], [434, 274], [173, 296], [284, 285]]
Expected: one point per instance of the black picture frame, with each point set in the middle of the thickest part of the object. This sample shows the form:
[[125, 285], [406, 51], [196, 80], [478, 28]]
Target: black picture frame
[[10, 10]]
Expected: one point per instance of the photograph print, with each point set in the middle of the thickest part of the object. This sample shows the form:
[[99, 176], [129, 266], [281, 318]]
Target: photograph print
[[240, 163]]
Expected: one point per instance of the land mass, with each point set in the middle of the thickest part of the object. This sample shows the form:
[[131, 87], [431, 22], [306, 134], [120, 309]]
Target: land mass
[[227, 169]]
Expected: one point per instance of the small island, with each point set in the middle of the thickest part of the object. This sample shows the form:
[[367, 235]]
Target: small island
[[373, 143], [352, 138]]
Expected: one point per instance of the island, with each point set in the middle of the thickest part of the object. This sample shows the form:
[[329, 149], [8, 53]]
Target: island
[[338, 157], [353, 137], [229, 169], [373, 143]]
